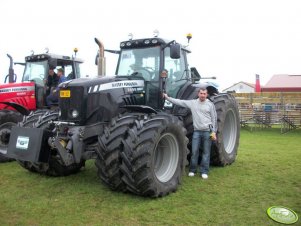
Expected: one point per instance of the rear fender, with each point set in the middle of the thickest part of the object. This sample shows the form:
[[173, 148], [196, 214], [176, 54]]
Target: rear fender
[[140, 108]]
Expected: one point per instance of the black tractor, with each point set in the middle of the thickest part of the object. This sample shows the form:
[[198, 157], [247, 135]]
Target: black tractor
[[139, 140]]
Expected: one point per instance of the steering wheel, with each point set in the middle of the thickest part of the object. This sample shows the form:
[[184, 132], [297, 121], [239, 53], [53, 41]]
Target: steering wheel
[[41, 76], [39, 79], [149, 71]]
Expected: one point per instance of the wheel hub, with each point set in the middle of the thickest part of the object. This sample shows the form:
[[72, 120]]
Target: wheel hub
[[166, 157]]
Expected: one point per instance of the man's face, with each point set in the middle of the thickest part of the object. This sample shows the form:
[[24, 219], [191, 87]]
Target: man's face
[[51, 72], [203, 95], [59, 73]]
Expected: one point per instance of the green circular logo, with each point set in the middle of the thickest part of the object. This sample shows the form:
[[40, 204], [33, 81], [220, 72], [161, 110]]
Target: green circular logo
[[282, 214]]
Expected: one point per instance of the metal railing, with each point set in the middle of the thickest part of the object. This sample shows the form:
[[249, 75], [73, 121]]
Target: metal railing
[[262, 110]]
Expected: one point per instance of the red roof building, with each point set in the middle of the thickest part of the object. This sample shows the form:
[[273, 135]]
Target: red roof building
[[283, 83]]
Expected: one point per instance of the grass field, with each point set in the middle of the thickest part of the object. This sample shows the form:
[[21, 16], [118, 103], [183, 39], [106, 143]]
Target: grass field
[[267, 172]]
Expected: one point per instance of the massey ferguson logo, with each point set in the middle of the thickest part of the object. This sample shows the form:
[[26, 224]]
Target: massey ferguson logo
[[124, 84], [115, 85], [16, 89]]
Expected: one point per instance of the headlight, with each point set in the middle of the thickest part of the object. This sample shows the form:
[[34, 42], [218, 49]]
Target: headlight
[[74, 113], [154, 41]]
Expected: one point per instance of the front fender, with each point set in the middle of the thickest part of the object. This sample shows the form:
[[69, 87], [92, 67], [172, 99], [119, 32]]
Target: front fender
[[19, 108]]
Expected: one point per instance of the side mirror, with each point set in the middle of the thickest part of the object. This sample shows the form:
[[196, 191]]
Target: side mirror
[[175, 51], [195, 76]]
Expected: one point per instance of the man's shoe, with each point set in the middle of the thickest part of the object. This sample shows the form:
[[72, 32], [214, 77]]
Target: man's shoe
[[191, 174], [204, 176]]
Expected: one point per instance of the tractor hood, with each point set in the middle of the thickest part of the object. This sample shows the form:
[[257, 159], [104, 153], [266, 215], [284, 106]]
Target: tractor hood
[[104, 83], [86, 101]]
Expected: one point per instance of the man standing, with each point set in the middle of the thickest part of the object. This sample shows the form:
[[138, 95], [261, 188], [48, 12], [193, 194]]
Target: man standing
[[53, 96], [205, 127]]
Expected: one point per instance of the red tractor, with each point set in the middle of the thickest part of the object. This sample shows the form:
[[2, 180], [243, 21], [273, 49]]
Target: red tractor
[[21, 98]]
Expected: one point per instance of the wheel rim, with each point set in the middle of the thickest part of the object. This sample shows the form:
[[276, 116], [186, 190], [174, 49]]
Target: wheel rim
[[229, 131], [166, 157]]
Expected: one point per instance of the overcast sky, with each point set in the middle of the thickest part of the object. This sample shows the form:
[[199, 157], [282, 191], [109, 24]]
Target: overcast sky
[[232, 40]]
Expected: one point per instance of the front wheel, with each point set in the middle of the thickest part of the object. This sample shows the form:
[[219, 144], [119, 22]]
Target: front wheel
[[54, 167], [154, 155]]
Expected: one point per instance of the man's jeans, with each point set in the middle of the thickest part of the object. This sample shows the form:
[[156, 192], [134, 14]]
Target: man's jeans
[[198, 138]]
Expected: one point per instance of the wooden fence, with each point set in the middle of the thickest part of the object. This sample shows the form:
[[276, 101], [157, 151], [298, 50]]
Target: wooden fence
[[267, 109]]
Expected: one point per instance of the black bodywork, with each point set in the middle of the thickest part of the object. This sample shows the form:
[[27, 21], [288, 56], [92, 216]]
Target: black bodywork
[[86, 105]]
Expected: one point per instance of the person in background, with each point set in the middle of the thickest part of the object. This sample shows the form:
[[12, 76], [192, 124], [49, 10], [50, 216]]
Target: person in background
[[52, 80], [205, 127], [53, 96]]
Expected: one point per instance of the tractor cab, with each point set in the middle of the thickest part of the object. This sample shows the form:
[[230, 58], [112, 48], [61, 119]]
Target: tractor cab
[[37, 67], [160, 63], [37, 70]]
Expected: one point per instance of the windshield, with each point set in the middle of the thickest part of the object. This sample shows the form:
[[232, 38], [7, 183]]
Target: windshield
[[35, 71], [140, 62]]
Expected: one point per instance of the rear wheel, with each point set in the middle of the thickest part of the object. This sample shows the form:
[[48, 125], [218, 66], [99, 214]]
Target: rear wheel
[[8, 119], [109, 148], [154, 155], [224, 150]]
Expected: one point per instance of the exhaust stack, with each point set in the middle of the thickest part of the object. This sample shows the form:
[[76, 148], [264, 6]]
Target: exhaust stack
[[100, 58], [11, 73]]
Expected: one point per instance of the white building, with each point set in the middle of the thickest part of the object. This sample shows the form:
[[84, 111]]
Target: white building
[[241, 87]]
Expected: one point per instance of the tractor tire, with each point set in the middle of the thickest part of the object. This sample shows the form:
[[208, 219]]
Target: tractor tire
[[109, 148], [154, 155], [188, 123], [54, 167], [224, 150], [32, 118], [8, 119]]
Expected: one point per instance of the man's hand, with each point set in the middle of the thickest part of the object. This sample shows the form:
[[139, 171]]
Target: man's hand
[[164, 95], [213, 136]]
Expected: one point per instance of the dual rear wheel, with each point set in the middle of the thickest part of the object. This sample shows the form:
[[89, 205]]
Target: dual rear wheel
[[151, 156]]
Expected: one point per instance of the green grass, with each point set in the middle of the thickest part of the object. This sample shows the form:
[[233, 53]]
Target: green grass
[[267, 172]]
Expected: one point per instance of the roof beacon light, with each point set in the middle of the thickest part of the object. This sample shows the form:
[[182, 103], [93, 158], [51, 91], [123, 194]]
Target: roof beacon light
[[46, 50], [189, 36], [130, 35], [156, 33], [75, 50]]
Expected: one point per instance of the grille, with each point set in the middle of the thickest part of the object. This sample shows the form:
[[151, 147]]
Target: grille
[[74, 102]]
